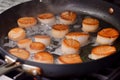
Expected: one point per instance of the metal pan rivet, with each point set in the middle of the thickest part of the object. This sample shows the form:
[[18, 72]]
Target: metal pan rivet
[[111, 10], [34, 72]]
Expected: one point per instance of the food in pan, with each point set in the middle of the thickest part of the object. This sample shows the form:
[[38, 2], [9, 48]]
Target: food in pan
[[90, 24], [102, 51], [70, 46], [69, 59], [107, 36], [36, 47], [65, 40], [67, 17], [16, 34], [25, 22], [47, 18], [43, 57], [82, 37], [59, 30], [24, 43], [43, 39], [21, 53]]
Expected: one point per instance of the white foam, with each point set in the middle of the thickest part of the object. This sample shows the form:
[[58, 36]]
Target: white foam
[[10, 44]]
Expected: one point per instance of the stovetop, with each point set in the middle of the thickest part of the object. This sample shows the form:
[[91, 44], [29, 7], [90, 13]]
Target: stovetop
[[111, 73]]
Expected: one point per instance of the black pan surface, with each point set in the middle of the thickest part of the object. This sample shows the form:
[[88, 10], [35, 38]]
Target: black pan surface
[[99, 10]]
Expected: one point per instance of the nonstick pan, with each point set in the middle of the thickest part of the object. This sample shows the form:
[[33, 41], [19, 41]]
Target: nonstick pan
[[105, 12]]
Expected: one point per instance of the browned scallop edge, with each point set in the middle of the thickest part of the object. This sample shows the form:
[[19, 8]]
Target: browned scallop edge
[[23, 55], [34, 46], [94, 22], [60, 27], [75, 47], [20, 20], [44, 16], [66, 18], [47, 53], [64, 62], [104, 33], [77, 34], [105, 46]]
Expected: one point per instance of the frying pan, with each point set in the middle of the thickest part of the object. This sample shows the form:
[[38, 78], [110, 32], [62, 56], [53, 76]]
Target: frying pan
[[95, 8]]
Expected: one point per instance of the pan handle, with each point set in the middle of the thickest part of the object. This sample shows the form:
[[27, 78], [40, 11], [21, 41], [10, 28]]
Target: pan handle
[[33, 70], [8, 67]]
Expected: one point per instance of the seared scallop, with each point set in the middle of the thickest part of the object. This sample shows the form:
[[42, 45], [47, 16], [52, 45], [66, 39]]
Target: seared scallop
[[16, 34], [68, 17], [43, 39], [43, 57], [82, 37], [21, 53], [102, 51], [47, 18], [70, 46], [36, 47], [107, 36], [25, 22], [90, 24], [24, 43], [59, 30], [69, 59]]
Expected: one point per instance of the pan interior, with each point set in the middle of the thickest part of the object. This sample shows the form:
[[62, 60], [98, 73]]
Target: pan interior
[[55, 43]]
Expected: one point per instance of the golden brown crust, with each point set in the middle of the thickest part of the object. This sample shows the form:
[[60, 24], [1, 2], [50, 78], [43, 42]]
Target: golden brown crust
[[16, 34], [37, 46], [21, 53], [77, 34], [45, 16], [43, 57], [90, 21], [60, 27], [103, 50], [23, 41], [71, 43], [68, 15], [70, 59], [26, 22], [109, 33]]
